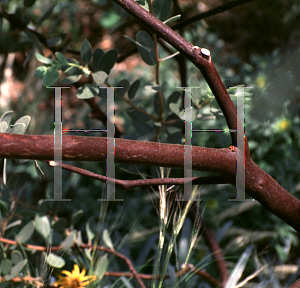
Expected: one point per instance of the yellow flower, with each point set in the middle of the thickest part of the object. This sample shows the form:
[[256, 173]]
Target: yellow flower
[[74, 279], [261, 81], [282, 125]]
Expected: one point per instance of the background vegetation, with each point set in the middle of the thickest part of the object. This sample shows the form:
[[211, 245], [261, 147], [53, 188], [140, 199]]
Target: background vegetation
[[255, 44]]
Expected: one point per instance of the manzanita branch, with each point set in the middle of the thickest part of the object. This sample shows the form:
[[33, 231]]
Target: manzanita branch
[[128, 184], [259, 185]]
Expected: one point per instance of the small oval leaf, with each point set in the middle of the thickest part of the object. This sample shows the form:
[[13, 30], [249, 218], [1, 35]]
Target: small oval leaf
[[5, 266], [25, 232], [134, 88], [86, 51], [6, 117], [42, 226], [108, 60], [87, 91], [55, 261], [106, 239], [161, 9], [24, 121], [61, 58], [99, 77], [125, 87], [16, 256], [71, 79], [98, 53], [146, 49], [68, 242], [40, 72], [51, 76], [42, 58]]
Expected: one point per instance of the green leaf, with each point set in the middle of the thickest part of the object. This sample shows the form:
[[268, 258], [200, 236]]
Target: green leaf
[[134, 88], [18, 128], [6, 117], [51, 76], [89, 228], [106, 239], [71, 79], [55, 261], [5, 266], [16, 256], [86, 51], [42, 58], [161, 9], [40, 72], [99, 77], [68, 242], [101, 267], [24, 121], [3, 127], [73, 71], [98, 53], [87, 91], [174, 107], [16, 269], [61, 58], [172, 19], [3, 207], [147, 49], [42, 226], [122, 91], [25, 232], [108, 60]]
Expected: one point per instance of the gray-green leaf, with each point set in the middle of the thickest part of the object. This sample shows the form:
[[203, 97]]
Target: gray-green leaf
[[134, 88], [55, 261], [86, 51], [51, 76], [161, 9], [61, 58], [99, 77], [125, 87], [42, 58], [71, 79], [87, 91], [98, 53], [108, 60], [42, 226], [147, 49], [25, 232]]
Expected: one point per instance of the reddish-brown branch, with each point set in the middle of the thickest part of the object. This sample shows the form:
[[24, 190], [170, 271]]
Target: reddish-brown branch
[[128, 184], [259, 185]]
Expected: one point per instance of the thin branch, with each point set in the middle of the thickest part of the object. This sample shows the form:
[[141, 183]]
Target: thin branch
[[217, 10], [128, 184]]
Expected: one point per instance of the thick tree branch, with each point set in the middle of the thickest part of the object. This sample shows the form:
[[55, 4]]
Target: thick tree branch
[[259, 185]]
